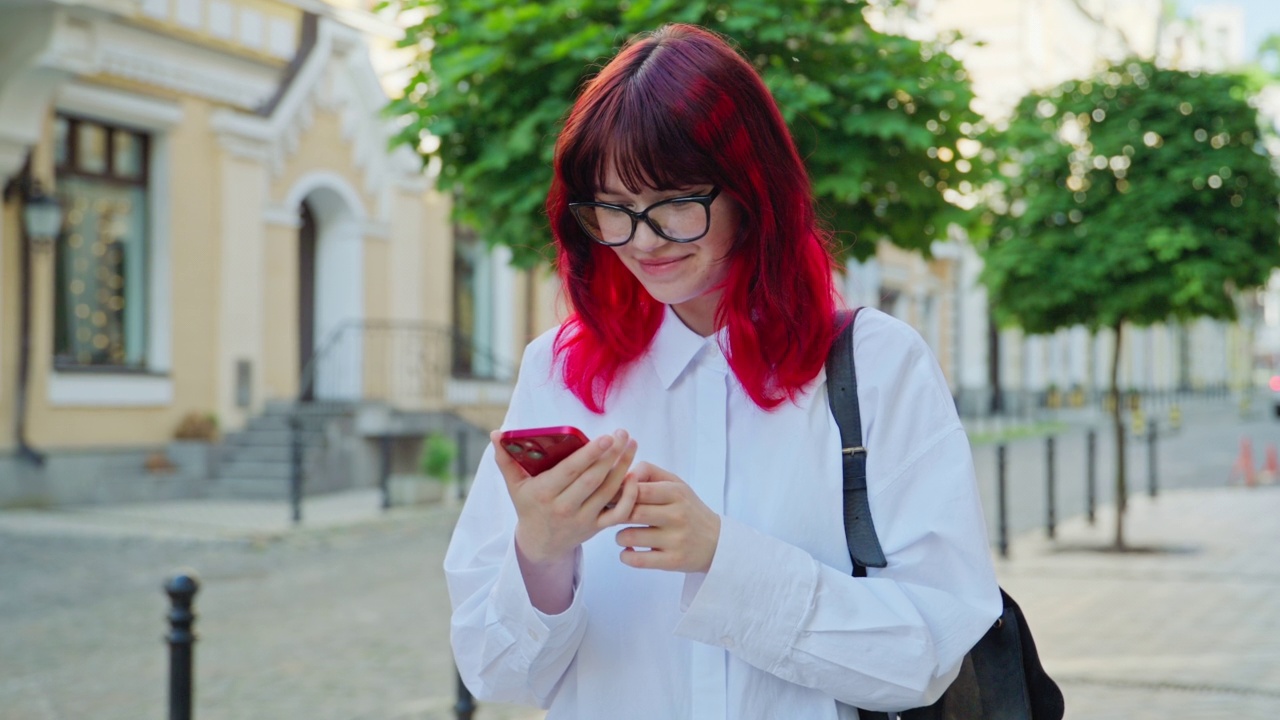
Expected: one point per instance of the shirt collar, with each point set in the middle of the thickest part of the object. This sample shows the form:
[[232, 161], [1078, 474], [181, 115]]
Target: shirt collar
[[675, 347]]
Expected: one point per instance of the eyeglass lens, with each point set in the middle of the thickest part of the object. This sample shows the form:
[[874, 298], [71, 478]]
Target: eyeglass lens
[[678, 220]]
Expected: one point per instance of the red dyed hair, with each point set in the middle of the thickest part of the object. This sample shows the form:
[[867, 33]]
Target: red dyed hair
[[679, 107]]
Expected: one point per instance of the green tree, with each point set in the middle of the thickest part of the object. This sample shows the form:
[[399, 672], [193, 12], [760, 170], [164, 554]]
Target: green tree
[[1134, 197], [880, 119]]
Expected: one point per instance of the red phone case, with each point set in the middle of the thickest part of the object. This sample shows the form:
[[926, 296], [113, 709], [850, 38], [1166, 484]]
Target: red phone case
[[539, 449]]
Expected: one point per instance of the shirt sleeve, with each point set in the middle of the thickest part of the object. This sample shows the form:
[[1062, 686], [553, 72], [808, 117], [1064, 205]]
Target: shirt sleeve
[[895, 639], [506, 649]]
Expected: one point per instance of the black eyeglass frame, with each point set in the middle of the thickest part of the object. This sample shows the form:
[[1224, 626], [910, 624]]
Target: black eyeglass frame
[[703, 200]]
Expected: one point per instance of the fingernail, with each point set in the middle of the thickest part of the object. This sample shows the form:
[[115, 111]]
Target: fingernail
[[620, 434], [606, 442]]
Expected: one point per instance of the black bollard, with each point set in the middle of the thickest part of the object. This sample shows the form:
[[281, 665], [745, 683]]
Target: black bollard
[[182, 592], [1151, 459], [464, 463], [295, 461], [1051, 519], [1002, 501], [1091, 476], [384, 470], [466, 706]]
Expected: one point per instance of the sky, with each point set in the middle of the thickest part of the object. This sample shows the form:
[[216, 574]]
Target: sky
[[1261, 17]]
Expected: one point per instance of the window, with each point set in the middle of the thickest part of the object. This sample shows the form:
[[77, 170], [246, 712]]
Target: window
[[472, 307], [101, 266]]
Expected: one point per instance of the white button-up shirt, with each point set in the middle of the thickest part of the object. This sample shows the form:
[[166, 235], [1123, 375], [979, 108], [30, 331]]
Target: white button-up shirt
[[778, 627]]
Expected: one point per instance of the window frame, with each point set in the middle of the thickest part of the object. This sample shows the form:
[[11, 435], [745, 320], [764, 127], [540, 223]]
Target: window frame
[[70, 167]]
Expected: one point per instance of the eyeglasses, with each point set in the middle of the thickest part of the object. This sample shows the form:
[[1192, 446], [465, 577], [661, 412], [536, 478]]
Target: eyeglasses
[[681, 219]]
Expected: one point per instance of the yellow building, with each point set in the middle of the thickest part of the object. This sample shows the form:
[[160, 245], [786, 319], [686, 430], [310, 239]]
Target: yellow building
[[234, 234]]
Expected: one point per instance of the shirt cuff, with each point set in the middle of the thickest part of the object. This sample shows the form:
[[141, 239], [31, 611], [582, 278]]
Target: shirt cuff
[[532, 628], [741, 607]]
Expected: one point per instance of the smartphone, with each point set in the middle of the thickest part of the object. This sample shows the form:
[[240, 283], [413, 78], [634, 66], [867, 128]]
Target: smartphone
[[537, 450]]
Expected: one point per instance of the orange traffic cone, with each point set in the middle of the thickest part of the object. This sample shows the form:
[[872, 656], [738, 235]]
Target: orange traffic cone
[[1272, 471], [1244, 464]]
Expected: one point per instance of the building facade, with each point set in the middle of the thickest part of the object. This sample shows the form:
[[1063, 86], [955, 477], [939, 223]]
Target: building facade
[[234, 234], [1011, 47]]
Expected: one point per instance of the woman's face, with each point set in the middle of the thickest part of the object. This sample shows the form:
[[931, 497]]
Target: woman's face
[[687, 276]]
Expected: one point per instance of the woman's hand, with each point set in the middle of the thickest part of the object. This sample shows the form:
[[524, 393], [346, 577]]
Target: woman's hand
[[681, 531], [565, 506]]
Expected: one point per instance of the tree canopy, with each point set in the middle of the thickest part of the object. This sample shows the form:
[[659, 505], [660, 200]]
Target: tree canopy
[[881, 120], [1139, 195]]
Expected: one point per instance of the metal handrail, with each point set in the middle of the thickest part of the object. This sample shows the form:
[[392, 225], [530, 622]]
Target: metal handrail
[[424, 342], [444, 336]]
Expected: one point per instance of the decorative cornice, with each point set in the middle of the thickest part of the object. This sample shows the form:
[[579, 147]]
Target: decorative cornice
[[139, 111], [43, 47], [337, 76], [229, 88]]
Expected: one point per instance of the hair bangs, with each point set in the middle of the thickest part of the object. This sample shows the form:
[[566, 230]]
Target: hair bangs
[[644, 132]]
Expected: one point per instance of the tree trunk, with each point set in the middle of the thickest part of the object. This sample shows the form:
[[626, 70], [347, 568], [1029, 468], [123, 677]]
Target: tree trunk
[[530, 305], [1118, 422], [993, 365]]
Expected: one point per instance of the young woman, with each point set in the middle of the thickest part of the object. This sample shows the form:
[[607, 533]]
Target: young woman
[[690, 562]]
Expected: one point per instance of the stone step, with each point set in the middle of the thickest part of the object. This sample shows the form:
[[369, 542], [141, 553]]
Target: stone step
[[255, 468], [259, 452], [250, 488], [250, 438], [286, 408]]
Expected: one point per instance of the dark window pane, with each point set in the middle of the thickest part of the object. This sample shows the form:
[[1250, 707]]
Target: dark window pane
[[126, 150], [91, 148], [101, 300], [61, 151]]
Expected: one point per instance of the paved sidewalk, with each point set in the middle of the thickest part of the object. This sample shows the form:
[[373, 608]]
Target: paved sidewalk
[[209, 520], [1188, 627]]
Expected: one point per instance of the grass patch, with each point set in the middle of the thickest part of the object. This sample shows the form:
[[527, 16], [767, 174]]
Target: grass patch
[[1017, 432], [28, 502]]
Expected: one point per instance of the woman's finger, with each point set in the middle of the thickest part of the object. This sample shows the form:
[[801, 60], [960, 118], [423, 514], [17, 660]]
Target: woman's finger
[[652, 515], [510, 469], [660, 492], [645, 559], [607, 493], [567, 471], [645, 537], [626, 502], [574, 495]]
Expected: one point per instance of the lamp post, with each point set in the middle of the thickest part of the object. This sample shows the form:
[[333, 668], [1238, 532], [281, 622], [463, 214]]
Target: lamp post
[[41, 222], [41, 217]]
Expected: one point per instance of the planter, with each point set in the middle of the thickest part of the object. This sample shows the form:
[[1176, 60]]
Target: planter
[[193, 458], [415, 490]]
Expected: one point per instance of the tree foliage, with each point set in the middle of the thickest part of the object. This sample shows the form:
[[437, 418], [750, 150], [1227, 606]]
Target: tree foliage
[[879, 118], [1139, 195], [1134, 197]]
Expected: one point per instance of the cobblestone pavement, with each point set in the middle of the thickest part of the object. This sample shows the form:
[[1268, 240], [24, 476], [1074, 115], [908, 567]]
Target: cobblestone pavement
[[339, 624], [1186, 626], [346, 618]]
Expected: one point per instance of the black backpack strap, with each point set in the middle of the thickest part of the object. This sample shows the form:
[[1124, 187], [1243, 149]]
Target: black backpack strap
[[842, 395]]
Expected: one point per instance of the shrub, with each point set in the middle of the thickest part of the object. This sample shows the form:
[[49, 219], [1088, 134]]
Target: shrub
[[438, 455]]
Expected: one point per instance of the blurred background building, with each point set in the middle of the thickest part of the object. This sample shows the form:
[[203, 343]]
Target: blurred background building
[[231, 236], [235, 252], [1011, 47]]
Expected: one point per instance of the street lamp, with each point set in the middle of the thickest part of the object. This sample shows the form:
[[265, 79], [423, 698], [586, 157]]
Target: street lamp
[[41, 217]]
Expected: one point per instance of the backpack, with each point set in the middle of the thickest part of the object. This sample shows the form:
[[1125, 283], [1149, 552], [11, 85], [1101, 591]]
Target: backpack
[[1001, 678]]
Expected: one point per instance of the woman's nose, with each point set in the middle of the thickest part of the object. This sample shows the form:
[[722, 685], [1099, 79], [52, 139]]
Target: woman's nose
[[645, 238]]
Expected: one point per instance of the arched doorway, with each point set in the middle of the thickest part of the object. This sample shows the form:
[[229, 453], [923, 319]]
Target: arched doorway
[[330, 287], [306, 294]]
